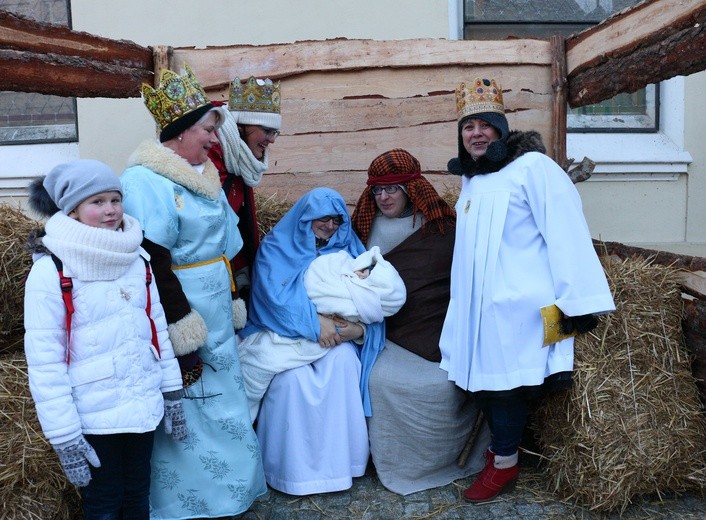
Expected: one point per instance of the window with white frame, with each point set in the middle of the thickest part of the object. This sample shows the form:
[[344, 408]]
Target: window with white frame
[[30, 118], [499, 19], [637, 155]]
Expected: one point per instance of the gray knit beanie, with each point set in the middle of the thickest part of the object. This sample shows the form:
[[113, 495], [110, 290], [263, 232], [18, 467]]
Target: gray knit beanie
[[71, 183]]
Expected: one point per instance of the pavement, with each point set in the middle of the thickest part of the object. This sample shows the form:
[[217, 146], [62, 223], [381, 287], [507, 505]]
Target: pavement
[[369, 500]]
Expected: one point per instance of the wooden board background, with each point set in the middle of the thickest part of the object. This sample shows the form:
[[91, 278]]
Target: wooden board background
[[344, 102]]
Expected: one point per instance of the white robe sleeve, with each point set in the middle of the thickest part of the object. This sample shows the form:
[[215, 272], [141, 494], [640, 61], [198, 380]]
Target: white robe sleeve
[[579, 279]]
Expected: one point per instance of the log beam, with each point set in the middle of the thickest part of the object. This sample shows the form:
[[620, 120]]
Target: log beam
[[648, 43], [686, 262], [52, 59], [679, 55], [68, 76], [557, 44]]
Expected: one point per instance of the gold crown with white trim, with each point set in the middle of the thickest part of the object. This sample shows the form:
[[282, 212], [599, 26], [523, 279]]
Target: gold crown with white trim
[[254, 95], [174, 97], [481, 95]]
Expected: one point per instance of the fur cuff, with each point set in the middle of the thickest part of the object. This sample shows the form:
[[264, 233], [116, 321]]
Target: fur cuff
[[240, 314], [188, 334]]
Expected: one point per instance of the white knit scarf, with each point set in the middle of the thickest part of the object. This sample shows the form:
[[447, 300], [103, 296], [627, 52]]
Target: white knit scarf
[[239, 159], [90, 253]]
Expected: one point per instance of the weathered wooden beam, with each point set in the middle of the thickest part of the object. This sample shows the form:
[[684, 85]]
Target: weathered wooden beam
[[286, 60], [557, 44], [686, 262], [52, 59], [162, 56], [650, 42], [678, 55], [68, 76], [694, 327]]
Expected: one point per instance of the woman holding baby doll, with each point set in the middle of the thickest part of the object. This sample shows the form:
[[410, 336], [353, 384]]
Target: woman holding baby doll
[[323, 403]]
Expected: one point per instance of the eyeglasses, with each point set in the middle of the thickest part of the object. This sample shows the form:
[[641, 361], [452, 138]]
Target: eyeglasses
[[270, 132], [392, 188], [337, 219]]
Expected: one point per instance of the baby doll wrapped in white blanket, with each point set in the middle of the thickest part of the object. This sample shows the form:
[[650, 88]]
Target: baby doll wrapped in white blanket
[[336, 284]]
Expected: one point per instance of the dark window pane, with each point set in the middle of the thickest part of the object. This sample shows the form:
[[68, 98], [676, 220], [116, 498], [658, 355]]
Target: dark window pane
[[529, 11]]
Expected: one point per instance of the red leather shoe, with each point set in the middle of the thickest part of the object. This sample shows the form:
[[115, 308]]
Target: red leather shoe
[[491, 482]]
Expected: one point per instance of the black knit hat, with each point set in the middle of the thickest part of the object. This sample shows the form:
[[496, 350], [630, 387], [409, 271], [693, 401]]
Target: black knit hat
[[185, 122], [497, 121], [482, 99]]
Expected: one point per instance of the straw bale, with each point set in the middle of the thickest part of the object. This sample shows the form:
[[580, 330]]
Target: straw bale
[[631, 425], [270, 209], [15, 262], [32, 484]]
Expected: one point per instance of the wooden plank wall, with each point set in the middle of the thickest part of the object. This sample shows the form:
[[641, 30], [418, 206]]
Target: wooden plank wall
[[346, 101]]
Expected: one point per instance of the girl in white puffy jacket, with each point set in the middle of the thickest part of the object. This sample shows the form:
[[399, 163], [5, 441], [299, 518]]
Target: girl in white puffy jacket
[[103, 376]]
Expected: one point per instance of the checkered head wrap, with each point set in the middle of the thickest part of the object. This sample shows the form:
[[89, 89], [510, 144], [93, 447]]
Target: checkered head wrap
[[400, 167]]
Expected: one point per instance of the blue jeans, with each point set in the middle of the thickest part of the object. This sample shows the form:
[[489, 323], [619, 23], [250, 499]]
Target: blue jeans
[[506, 419], [120, 488]]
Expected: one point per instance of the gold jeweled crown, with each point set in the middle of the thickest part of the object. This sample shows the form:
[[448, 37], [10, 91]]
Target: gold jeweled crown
[[482, 95], [252, 96], [174, 97]]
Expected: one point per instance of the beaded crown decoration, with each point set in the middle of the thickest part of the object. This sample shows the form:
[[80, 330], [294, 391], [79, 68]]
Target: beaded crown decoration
[[481, 95], [174, 97], [251, 96]]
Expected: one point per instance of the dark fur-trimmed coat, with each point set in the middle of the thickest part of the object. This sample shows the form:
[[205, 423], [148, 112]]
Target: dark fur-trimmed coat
[[517, 144]]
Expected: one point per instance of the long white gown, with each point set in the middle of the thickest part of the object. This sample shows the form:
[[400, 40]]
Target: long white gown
[[312, 427]]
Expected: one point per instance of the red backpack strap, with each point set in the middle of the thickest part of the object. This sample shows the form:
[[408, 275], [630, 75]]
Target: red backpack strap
[[66, 294], [148, 280]]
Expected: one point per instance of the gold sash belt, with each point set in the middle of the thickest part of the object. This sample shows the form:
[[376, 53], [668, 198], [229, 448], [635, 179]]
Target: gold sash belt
[[211, 261]]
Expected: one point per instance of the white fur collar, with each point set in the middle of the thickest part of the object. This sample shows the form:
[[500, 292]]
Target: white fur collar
[[165, 162]]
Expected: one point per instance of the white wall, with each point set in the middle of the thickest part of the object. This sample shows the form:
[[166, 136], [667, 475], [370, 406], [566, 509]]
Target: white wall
[[661, 209], [695, 142]]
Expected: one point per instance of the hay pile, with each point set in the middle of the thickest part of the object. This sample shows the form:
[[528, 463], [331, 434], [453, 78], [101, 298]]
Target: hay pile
[[270, 209], [15, 263], [32, 484], [632, 424]]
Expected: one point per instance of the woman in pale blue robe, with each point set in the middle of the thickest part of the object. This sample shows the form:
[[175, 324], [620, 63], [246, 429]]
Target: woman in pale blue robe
[[191, 233]]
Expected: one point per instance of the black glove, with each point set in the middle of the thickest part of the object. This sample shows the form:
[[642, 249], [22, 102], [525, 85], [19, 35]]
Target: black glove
[[579, 324], [244, 293]]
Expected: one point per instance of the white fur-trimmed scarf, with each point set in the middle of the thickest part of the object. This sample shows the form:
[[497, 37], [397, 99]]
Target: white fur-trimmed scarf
[[90, 253], [239, 159]]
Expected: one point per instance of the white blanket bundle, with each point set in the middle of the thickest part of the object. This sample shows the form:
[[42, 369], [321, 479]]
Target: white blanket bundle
[[335, 288]]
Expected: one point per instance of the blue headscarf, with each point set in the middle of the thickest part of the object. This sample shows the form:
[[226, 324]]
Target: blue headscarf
[[278, 298]]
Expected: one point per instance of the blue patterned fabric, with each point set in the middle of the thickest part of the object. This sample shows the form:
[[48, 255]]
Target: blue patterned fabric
[[217, 471], [278, 297]]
